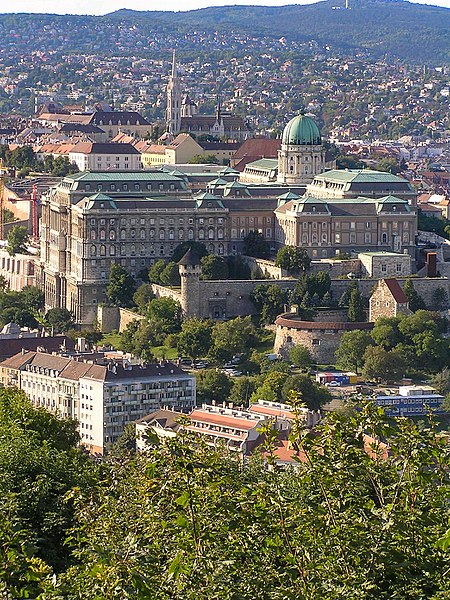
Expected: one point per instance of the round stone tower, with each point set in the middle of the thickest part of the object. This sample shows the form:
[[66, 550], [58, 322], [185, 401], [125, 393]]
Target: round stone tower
[[190, 271], [302, 155]]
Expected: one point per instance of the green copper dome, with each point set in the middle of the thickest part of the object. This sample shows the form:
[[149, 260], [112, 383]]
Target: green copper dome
[[301, 131]]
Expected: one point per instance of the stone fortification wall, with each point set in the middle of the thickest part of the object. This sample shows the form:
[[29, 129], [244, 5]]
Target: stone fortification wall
[[425, 286], [112, 318], [336, 268], [231, 298], [164, 292], [322, 338], [126, 317], [265, 268]]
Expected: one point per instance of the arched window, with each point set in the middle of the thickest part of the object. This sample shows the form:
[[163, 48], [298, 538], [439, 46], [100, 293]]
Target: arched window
[[220, 249], [142, 234], [112, 234], [123, 234], [93, 234], [191, 234], [103, 250], [220, 234], [210, 234], [93, 250], [180, 234], [112, 250], [384, 238], [161, 234], [201, 234]]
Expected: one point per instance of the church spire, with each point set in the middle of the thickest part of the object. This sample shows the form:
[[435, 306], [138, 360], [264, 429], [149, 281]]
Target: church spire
[[173, 114], [174, 65]]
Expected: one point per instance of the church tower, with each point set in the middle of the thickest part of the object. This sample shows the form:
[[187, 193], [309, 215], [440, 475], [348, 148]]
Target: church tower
[[173, 114], [302, 155]]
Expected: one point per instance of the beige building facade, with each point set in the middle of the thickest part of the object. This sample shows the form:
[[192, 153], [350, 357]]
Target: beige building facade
[[103, 399]]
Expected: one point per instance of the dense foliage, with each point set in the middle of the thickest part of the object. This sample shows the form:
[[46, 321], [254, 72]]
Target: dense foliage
[[355, 520], [397, 345]]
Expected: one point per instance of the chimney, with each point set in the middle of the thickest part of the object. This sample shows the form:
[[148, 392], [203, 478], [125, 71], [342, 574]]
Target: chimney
[[431, 264]]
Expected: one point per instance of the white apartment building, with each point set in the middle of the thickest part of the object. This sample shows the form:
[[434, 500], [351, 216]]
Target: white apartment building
[[96, 156], [103, 399]]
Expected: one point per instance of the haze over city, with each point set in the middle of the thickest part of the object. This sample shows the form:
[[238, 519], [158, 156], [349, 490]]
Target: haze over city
[[99, 7]]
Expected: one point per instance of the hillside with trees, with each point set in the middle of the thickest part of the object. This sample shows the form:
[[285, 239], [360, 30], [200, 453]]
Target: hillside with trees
[[404, 30], [186, 521]]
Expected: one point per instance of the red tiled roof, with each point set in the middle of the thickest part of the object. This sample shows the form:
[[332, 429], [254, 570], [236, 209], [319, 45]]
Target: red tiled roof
[[256, 148], [203, 416], [260, 409], [397, 293]]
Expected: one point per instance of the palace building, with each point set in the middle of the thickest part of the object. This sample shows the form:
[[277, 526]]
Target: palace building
[[93, 219]]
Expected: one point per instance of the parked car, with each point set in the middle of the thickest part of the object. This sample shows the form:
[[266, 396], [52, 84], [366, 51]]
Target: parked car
[[333, 384]]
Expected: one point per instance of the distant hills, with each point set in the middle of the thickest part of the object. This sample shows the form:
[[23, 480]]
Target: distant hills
[[412, 32], [415, 33]]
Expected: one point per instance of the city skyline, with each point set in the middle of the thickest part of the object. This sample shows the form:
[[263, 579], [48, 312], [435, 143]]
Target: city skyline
[[98, 7]]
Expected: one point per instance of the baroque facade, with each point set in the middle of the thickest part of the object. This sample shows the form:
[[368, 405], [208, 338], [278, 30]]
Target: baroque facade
[[93, 219]]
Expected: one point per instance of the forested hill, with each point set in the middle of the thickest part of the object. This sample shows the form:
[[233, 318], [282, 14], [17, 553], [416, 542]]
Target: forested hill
[[412, 32], [409, 31]]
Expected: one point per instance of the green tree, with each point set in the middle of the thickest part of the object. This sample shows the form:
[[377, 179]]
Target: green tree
[[204, 159], [345, 298], [441, 381], [139, 338], [439, 299], [243, 388], [389, 517], [60, 319], [389, 165], [154, 273], [8, 216], [170, 275], [195, 338], [293, 259], [214, 267], [419, 322], [312, 394], [40, 463], [349, 161], [33, 298], [356, 307], [386, 333], [233, 337], [121, 286], [212, 385], [383, 365], [300, 356], [431, 350], [415, 301], [142, 296], [271, 389], [18, 240], [269, 301], [255, 245], [349, 355], [166, 312]]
